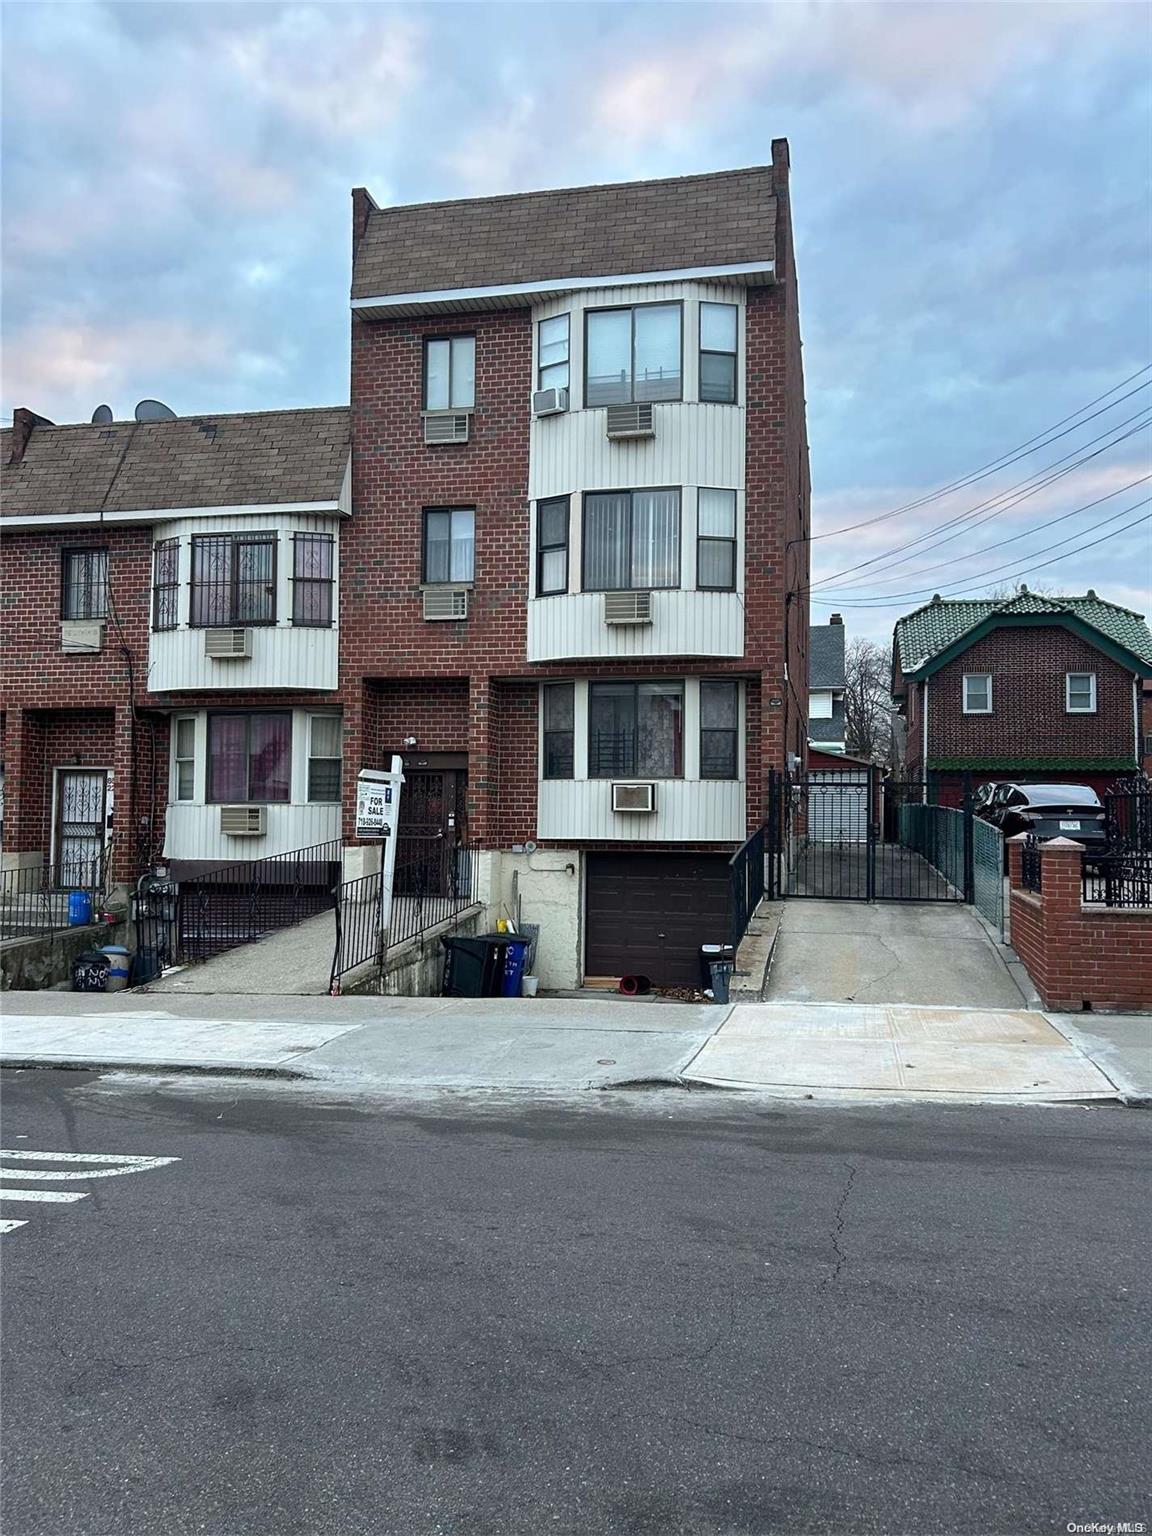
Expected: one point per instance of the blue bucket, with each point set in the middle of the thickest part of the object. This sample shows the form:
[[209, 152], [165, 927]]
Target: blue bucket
[[79, 909]]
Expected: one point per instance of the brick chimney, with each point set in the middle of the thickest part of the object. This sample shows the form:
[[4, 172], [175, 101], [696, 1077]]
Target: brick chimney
[[363, 205], [834, 618], [23, 423]]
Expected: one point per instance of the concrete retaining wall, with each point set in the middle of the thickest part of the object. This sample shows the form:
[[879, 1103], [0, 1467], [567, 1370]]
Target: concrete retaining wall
[[415, 968], [43, 961]]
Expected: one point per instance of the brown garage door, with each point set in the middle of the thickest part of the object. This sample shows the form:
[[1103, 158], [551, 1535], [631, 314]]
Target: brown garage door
[[646, 914]]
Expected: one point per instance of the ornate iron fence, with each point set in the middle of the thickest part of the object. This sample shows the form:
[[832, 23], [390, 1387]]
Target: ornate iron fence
[[238, 903], [34, 901], [1122, 879], [1030, 864]]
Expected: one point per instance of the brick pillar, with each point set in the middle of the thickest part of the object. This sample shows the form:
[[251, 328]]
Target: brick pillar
[[1015, 856], [128, 833], [23, 788], [355, 758], [1061, 863], [481, 763]]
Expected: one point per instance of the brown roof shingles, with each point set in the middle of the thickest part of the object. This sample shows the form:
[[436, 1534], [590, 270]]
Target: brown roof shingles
[[722, 218], [129, 466]]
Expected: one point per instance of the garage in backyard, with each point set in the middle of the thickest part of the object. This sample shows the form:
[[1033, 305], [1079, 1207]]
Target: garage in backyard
[[646, 914]]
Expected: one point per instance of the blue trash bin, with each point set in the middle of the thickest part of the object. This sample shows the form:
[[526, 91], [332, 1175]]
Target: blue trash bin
[[514, 963], [79, 909]]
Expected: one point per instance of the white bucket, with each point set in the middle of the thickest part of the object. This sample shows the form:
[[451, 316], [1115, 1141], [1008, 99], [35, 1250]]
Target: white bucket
[[529, 986]]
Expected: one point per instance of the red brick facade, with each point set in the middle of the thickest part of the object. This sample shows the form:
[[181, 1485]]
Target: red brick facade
[[1078, 955]]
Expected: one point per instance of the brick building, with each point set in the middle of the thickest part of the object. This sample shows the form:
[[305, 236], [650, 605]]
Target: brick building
[[170, 640], [580, 479], [1033, 688]]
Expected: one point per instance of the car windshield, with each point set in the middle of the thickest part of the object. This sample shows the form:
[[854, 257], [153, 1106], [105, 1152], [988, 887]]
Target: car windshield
[[1060, 794]]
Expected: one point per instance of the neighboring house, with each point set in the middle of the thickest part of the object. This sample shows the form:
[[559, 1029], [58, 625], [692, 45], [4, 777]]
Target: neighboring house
[[826, 680], [581, 492], [1030, 688], [170, 636]]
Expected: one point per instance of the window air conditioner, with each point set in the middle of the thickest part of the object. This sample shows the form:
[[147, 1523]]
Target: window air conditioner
[[243, 820], [81, 637], [630, 420], [634, 797], [228, 644], [446, 428], [627, 607], [446, 603], [547, 402]]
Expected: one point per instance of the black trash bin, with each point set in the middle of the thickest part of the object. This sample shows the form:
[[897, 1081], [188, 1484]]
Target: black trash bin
[[90, 971], [474, 967], [713, 954]]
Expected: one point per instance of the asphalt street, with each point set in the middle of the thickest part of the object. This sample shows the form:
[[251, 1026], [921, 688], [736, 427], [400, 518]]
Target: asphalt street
[[636, 1315]]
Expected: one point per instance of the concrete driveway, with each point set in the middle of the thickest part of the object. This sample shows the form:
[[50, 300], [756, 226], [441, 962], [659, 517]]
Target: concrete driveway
[[926, 954]]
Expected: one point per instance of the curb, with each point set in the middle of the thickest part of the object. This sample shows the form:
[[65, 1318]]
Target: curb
[[148, 1068]]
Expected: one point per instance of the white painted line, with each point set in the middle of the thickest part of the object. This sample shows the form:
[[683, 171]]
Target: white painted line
[[10, 1226], [122, 1164], [41, 1194]]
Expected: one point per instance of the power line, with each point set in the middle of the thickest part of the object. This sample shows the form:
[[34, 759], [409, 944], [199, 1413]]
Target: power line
[[1026, 570], [1006, 458], [1027, 489], [1027, 532]]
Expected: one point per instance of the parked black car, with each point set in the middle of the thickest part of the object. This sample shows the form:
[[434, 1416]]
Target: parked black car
[[1046, 811]]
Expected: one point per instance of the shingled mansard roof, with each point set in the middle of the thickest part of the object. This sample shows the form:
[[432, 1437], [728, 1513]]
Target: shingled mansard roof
[[245, 459], [923, 636], [724, 218], [826, 656]]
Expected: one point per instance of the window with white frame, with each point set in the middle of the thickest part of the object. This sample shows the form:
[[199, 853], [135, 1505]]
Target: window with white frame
[[631, 540], [325, 749], [1080, 693], [184, 757], [552, 351], [977, 693], [632, 354], [449, 373], [249, 757], [718, 331], [716, 540]]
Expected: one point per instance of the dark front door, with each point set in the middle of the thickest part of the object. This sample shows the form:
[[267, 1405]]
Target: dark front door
[[432, 816], [647, 914]]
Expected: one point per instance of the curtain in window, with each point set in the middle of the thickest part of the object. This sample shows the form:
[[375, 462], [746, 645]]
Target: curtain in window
[[255, 581], [607, 556], [324, 757], [269, 752], [655, 539], [660, 730], [228, 758]]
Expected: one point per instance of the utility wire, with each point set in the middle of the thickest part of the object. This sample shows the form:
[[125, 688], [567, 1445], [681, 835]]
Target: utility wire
[[929, 539], [1025, 570], [1006, 458], [985, 549]]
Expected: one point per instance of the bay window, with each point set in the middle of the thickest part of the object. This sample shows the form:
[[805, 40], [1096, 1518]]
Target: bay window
[[449, 544], [84, 584], [719, 729], [249, 757], [632, 354], [233, 579], [449, 373], [631, 540], [558, 732], [718, 332], [552, 546], [552, 350], [716, 540], [636, 730]]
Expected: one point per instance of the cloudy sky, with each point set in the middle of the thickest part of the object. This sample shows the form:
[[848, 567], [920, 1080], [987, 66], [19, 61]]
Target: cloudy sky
[[970, 189]]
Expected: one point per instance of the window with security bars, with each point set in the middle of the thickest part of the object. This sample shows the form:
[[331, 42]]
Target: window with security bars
[[312, 567], [559, 725], [165, 584], [233, 579], [719, 729], [84, 584], [325, 749], [636, 730]]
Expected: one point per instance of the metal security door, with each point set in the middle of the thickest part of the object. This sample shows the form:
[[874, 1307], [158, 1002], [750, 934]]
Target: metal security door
[[431, 830], [81, 827]]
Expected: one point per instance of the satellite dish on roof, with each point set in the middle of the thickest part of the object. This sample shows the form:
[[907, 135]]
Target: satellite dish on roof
[[154, 410], [102, 415]]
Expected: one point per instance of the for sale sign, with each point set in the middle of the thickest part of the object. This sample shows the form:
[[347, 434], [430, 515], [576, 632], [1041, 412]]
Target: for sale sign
[[376, 797]]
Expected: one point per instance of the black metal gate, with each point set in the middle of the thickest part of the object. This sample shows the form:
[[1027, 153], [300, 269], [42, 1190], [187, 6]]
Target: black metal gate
[[854, 835]]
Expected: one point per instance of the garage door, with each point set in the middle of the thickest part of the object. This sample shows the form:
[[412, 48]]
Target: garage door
[[646, 914], [838, 807]]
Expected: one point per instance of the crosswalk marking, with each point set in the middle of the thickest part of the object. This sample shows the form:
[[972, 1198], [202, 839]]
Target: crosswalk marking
[[69, 1166], [42, 1194]]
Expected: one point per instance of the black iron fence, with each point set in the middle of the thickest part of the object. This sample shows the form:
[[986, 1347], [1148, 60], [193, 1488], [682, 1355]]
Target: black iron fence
[[34, 901], [238, 903], [433, 882], [1128, 817], [746, 873], [1030, 865], [1121, 879]]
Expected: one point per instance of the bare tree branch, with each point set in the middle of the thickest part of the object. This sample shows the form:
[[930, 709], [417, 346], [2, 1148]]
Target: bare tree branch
[[868, 700]]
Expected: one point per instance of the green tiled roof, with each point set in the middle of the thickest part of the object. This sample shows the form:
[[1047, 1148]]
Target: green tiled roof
[[939, 624]]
